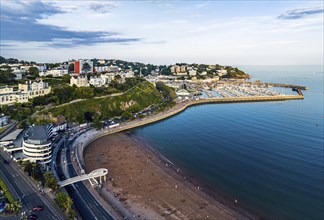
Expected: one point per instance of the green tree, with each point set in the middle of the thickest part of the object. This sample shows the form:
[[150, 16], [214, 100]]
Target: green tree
[[84, 92], [52, 65], [36, 171], [13, 207], [71, 68], [50, 181], [118, 78], [65, 203], [88, 116], [64, 93], [2, 59], [33, 71], [61, 199], [66, 78], [6, 75], [167, 91], [27, 165]]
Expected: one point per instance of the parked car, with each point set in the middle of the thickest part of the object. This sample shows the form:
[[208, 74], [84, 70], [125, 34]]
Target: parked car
[[30, 217], [38, 208]]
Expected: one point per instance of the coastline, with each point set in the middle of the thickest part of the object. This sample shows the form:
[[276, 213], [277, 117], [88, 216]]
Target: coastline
[[225, 204], [152, 187], [178, 108]]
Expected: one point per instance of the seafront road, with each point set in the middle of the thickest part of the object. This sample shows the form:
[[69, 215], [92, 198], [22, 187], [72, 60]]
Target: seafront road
[[86, 204], [23, 188]]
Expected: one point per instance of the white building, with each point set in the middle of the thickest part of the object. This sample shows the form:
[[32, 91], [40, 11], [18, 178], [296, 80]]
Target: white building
[[25, 92], [101, 69], [37, 145], [54, 72], [204, 73], [101, 61], [110, 75], [128, 74], [79, 81], [183, 68], [114, 69], [221, 72], [97, 81], [9, 96], [105, 78], [175, 69], [192, 72], [18, 72], [35, 89]]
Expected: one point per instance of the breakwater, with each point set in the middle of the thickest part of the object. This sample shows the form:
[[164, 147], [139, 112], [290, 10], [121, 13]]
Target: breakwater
[[286, 86], [171, 112]]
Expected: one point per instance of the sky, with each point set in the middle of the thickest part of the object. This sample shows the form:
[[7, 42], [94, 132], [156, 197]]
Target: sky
[[164, 32]]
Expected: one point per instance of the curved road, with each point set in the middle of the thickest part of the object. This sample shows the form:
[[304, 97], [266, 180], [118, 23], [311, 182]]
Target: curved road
[[85, 203]]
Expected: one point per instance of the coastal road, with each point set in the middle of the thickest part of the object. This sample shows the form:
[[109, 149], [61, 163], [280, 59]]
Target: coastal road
[[20, 188], [85, 203]]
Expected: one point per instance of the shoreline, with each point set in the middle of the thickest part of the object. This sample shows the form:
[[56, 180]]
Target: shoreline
[[122, 152], [193, 181], [178, 108]]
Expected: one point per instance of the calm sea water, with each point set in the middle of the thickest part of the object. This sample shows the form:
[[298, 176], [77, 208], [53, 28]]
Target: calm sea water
[[268, 155]]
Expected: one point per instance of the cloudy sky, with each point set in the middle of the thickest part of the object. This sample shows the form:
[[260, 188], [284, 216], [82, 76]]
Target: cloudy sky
[[164, 32]]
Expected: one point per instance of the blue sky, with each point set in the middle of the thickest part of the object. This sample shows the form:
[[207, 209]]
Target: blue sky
[[164, 32]]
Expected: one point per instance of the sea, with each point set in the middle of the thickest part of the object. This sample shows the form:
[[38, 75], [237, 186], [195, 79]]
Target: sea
[[268, 156]]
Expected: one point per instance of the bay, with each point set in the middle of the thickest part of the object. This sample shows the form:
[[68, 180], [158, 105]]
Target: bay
[[268, 155]]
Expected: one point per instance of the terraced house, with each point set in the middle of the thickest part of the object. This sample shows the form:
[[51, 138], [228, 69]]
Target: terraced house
[[29, 90]]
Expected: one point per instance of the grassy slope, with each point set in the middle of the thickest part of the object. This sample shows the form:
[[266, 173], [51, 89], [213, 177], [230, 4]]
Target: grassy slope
[[141, 97], [6, 191]]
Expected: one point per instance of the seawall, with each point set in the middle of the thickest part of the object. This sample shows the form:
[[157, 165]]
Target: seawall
[[173, 111]]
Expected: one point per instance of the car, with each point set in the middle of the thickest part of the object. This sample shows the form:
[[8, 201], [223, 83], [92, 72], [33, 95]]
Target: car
[[38, 208], [30, 217]]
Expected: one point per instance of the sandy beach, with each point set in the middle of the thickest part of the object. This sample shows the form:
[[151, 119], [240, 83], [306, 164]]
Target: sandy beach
[[147, 185]]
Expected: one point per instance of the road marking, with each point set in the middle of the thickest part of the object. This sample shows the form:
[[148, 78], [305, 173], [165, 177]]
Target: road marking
[[77, 191]]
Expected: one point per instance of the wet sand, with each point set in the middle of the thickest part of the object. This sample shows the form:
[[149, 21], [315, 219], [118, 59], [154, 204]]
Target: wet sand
[[148, 185]]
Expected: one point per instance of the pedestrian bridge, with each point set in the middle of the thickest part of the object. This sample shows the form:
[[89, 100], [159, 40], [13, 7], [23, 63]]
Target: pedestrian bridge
[[98, 173]]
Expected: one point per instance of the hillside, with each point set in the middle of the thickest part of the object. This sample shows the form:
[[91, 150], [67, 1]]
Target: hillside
[[138, 98]]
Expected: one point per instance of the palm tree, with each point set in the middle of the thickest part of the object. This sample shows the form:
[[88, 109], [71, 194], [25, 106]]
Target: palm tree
[[13, 207]]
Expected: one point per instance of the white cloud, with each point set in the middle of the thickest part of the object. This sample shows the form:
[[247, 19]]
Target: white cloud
[[184, 33]]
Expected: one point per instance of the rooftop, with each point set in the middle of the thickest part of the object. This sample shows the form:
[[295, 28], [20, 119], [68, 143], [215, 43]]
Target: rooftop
[[12, 136], [37, 132]]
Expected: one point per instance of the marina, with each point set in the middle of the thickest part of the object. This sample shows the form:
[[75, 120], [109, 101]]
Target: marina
[[187, 90]]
